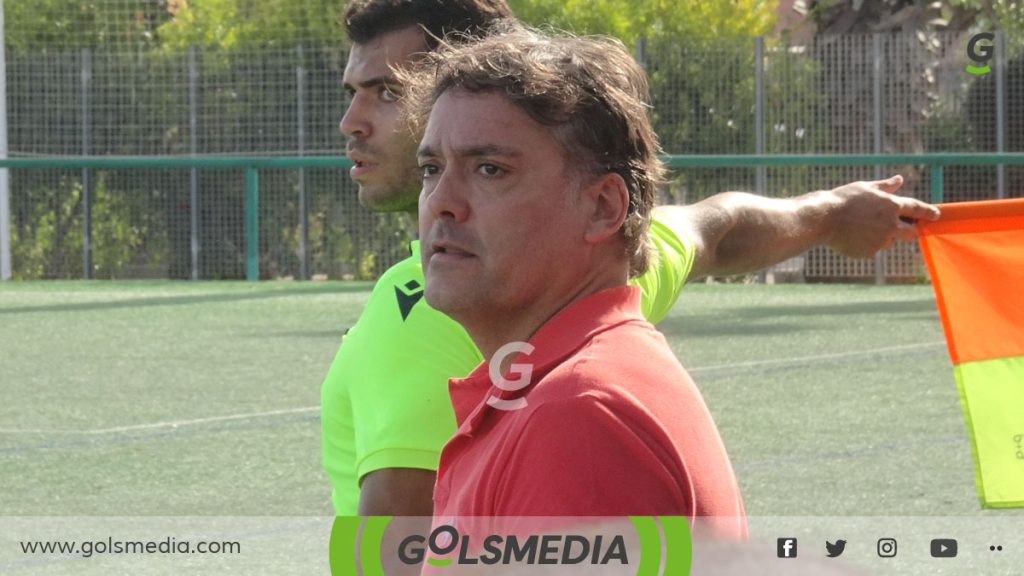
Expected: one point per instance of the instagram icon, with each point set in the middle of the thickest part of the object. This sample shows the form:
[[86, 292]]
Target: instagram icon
[[886, 547]]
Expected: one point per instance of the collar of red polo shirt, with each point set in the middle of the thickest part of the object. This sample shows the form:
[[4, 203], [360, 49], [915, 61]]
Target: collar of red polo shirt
[[557, 339]]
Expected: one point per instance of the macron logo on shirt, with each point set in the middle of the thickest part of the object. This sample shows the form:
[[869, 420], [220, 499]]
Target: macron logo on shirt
[[408, 297]]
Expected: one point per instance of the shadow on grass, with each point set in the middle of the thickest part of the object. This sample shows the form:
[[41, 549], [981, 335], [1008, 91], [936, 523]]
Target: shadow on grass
[[185, 300]]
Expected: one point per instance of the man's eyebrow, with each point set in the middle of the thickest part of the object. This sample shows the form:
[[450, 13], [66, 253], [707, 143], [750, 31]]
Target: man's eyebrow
[[374, 82], [427, 151]]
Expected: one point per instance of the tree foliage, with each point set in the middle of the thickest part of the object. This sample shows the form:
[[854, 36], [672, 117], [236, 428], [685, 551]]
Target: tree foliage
[[248, 24], [703, 22], [833, 17], [70, 24]]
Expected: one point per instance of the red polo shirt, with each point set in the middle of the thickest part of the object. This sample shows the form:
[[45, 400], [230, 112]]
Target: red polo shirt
[[612, 426]]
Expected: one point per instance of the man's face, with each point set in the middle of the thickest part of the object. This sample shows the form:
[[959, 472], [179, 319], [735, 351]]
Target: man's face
[[498, 228], [385, 157]]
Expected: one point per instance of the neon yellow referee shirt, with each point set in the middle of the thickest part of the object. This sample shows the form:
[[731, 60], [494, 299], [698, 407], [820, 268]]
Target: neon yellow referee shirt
[[384, 402]]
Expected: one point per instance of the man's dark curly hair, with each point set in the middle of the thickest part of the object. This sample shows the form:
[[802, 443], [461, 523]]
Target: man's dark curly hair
[[365, 20]]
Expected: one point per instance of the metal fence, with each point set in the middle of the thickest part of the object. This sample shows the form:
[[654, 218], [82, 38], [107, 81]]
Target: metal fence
[[892, 94], [255, 251]]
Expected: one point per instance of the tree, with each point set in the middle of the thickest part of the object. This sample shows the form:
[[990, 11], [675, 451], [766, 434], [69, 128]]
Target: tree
[[71, 24], [941, 30], [249, 24], [701, 22], [699, 58]]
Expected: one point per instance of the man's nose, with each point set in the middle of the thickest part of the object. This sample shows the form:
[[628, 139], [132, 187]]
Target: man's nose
[[446, 198], [356, 122]]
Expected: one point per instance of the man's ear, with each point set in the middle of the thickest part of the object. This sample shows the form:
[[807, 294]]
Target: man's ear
[[607, 202]]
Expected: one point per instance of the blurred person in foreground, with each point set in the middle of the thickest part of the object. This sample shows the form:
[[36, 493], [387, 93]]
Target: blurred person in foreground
[[385, 410]]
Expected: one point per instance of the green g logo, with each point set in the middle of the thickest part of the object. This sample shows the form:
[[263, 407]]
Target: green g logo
[[980, 53]]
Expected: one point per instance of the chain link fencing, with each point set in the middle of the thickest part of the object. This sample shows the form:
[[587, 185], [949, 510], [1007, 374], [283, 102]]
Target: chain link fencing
[[901, 93]]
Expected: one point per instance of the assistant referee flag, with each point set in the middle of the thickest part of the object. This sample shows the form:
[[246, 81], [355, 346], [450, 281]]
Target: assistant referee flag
[[975, 255]]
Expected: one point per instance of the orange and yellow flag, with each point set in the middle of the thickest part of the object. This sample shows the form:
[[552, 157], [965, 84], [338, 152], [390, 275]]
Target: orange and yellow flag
[[975, 255]]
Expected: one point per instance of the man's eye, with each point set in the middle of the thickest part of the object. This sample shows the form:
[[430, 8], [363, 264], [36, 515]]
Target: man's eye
[[490, 170], [428, 170], [387, 95]]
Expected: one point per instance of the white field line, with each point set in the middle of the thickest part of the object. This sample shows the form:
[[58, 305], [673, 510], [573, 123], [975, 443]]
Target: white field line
[[167, 424], [179, 423], [804, 359]]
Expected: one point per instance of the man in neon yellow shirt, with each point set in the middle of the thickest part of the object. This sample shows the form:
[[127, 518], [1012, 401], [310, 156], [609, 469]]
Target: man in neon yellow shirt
[[385, 408]]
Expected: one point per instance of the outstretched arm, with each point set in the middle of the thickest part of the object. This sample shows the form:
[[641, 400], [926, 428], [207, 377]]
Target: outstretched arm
[[737, 233]]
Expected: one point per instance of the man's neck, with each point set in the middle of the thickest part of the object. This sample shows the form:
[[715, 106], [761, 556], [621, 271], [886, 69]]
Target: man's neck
[[498, 328]]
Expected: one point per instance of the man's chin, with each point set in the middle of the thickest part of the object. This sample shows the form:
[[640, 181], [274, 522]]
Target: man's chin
[[381, 199], [444, 298]]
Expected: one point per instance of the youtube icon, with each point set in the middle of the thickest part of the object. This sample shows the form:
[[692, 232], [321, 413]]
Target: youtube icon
[[943, 548]]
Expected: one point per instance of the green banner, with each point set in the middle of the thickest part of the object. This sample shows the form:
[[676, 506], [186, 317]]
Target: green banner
[[382, 545]]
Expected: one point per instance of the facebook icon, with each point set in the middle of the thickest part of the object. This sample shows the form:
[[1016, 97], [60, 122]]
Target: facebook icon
[[787, 547]]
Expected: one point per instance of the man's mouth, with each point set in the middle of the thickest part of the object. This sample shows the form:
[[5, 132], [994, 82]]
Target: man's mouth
[[448, 252], [360, 167]]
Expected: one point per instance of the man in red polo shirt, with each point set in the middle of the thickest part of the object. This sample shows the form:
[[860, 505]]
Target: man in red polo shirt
[[539, 174]]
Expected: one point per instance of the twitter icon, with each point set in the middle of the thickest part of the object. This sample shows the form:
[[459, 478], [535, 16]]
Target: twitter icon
[[835, 549]]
